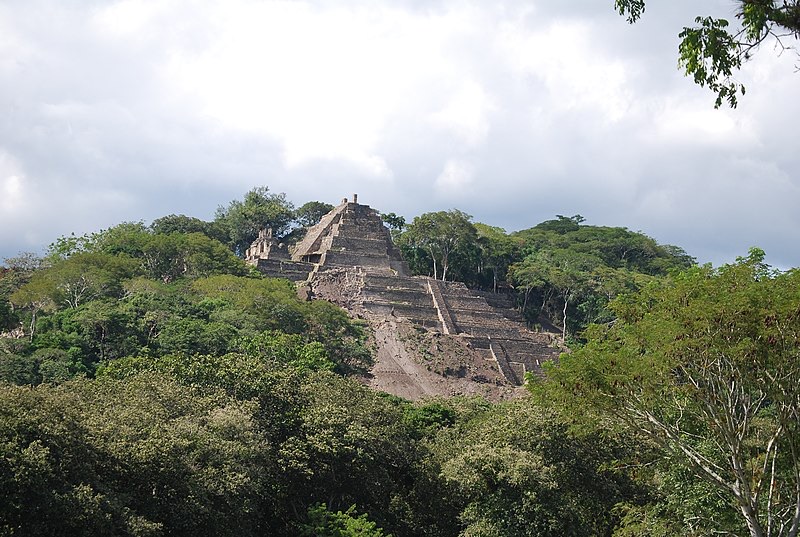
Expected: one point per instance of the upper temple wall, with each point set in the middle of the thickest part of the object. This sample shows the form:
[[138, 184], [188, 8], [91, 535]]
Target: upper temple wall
[[351, 234]]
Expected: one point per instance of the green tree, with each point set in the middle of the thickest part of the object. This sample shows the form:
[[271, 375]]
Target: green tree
[[561, 224], [80, 278], [561, 274], [165, 256], [179, 223], [16, 273], [705, 365], [287, 349], [331, 439], [273, 303], [394, 221], [324, 523], [444, 235], [242, 220], [713, 51], [516, 470], [572, 270], [312, 212], [168, 257], [144, 456], [498, 251]]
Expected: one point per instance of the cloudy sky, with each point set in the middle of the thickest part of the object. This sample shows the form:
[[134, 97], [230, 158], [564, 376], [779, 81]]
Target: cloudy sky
[[512, 111]]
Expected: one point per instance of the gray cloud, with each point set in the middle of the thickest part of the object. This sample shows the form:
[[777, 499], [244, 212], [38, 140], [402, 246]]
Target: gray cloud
[[115, 111]]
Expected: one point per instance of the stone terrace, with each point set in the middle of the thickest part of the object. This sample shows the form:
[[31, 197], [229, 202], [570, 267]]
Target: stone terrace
[[352, 238]]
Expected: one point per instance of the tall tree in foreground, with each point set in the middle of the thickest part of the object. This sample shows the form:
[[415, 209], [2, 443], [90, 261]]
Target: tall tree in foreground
[[712, 51], [707, 366]]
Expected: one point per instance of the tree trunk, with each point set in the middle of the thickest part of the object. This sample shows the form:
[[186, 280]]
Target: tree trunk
[[433, 257], [445, 264], [33, 323], [753, 525]]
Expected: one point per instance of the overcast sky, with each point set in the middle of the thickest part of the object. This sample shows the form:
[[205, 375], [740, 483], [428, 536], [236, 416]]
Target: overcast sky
[[512, 111]]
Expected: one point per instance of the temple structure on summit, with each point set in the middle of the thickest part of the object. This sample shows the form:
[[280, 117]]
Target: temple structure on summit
[[352, 240], [266, 247], [351, 235]]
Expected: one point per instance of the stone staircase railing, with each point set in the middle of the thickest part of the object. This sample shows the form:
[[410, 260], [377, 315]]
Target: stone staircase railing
[[448, 324], [500, 356]]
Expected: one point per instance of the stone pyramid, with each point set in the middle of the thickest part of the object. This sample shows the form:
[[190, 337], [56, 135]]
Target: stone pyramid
[[349, 258]]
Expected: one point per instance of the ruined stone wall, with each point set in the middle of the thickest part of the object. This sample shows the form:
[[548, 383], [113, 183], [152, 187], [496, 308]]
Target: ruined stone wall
[[351, 244]]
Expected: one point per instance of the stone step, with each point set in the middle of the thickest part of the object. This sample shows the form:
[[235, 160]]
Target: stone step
[[400, 296], [291, 270], [488, 331], [382, 281], [497, 300], [351, 259], [466, 303], [422, 316]]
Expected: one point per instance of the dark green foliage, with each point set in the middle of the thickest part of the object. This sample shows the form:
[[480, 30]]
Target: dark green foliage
[[141, 457], [704, 365], [178, 223], [324, 523], [569, 272], [242, 220], [17, 369], [430, 417], [713, 51], [497, 251], [311, 213], [395, 222], [43, 365], [10, 281], [128, 291], [517, 471], [170, 391], [561, 224], [564, 271], [332, 440], [440, 242]]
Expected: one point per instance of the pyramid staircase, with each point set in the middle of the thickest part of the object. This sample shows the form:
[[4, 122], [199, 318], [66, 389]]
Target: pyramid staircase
[[352, 238]]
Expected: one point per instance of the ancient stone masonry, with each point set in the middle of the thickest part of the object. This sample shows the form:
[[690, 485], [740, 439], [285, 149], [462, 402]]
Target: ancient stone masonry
[[516, 349], [349, 258], [351, 235], [272, 258]]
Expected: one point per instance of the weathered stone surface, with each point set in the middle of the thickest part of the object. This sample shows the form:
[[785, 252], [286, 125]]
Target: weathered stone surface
[[266, 247], [431, 337], [351, 235]]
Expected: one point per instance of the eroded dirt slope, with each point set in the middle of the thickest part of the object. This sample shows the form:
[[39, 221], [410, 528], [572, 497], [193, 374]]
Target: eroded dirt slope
[[412, 361]]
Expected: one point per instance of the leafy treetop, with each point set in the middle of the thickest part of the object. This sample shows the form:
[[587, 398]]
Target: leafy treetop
[[712, 51]]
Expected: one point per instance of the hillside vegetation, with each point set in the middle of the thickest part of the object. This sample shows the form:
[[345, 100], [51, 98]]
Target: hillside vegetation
[[154, 384], [561, 271]]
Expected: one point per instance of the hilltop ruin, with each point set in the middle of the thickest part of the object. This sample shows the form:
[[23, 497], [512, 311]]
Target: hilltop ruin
[[431, 337]]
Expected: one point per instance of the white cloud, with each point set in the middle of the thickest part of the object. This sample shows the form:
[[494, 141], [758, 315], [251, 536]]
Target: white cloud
[[322, 82], [13, 198], [693, 122], [513, 112], [456, 179], [466, 114], [565, 57], [128, 18]]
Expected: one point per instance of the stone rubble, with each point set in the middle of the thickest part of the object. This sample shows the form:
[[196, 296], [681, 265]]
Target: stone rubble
[[349, 258]]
